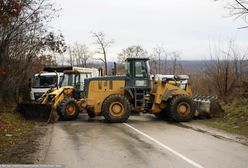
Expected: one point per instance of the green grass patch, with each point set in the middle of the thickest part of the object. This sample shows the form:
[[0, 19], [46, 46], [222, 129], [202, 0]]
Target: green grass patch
[[235, 119]]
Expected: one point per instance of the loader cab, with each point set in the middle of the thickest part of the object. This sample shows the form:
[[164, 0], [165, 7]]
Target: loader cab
[[69, 79], [137, 84], [137, 71], [75, 79]]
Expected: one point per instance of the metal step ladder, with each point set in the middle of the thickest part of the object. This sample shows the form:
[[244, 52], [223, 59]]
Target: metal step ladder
[[139, 97]]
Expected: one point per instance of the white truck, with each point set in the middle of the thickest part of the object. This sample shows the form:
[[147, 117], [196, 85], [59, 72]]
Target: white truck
[[51, 77], [43, 81]]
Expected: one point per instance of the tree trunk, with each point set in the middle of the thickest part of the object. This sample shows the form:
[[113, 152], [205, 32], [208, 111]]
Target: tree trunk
[[174, 67], [226, 80], [105, 62], [159, 63], [3, 68]]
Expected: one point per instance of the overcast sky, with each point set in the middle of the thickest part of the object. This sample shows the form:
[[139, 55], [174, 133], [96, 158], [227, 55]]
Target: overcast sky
[[186, 26]]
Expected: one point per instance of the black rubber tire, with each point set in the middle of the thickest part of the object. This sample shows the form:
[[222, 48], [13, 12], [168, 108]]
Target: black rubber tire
[[175, 115], [118, 99], [91, 114], [62, 109], [161, 115]]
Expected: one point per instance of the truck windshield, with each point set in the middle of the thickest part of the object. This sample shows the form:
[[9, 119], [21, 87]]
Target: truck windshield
[[44, 81]]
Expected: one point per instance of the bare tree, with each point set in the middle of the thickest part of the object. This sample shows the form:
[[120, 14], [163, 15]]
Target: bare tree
[[225, 70], [238, 9], [71, 54], [79, 54], [135, 51], [103, 44], [160, 58], [174, 57]]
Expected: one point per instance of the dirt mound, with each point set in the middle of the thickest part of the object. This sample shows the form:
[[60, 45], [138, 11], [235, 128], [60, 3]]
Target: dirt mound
[[216, 110]]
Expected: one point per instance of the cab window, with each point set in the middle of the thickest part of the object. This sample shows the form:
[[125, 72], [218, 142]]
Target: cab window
[[140, 69], [127, 69]]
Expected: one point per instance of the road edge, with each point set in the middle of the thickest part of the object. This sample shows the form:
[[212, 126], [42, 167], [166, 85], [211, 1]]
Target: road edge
[[44, 143], [217, 133]]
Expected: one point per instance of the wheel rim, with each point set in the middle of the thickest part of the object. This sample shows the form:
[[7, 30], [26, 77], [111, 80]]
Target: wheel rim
[[70, 109], [116, 109], [183, 108]]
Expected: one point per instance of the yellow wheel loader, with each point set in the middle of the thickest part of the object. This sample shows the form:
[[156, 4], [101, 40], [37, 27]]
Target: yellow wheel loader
[[61, 102], [116, 96]]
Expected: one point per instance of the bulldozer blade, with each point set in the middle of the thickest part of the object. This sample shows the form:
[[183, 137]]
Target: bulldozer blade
[[207, 107], [40, 112]]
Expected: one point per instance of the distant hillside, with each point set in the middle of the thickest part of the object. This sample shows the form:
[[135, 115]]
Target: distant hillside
[[196, 66], [193, 66], [187, 65]]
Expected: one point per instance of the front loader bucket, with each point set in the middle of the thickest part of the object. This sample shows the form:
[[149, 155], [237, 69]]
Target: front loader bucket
[[207, 107], [40, 112]]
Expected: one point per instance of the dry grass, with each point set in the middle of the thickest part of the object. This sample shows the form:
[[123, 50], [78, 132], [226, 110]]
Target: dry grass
[[235, 119], [12, 126]]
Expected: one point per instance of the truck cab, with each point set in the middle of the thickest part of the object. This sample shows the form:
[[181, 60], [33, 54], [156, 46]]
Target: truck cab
[[42, 82]]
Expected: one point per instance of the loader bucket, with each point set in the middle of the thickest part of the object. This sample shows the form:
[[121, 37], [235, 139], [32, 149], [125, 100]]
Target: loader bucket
[[40, 112], [207, 107]]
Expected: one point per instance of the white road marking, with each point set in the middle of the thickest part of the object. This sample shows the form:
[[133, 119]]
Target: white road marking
[[166, 147]]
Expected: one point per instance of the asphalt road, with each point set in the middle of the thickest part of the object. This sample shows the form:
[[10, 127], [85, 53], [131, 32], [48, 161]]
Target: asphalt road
[[142, 142]]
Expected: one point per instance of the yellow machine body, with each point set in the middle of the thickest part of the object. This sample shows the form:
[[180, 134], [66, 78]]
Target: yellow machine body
[[166, 91], [116, 96], [99, 90]]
